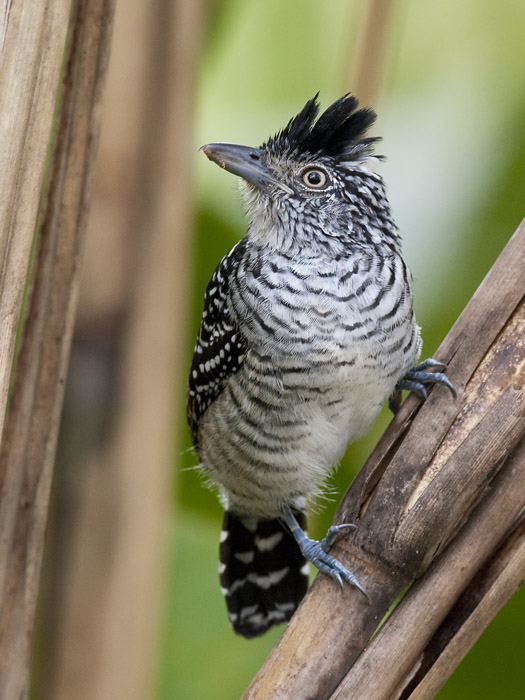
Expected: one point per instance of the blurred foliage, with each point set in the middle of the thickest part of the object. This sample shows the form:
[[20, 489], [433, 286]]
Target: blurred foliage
[[452, 117]]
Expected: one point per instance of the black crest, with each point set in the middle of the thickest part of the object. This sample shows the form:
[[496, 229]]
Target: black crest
[[338, 132]]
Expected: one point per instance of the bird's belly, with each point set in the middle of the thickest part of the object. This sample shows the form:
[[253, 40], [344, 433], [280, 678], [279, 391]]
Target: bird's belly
[[273, 435]]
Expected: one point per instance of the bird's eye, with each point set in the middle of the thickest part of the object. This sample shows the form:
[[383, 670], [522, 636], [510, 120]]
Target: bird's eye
[[315, 178]]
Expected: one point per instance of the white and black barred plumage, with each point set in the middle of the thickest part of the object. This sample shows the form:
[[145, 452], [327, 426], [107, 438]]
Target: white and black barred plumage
[[219, 351], [307, 330]]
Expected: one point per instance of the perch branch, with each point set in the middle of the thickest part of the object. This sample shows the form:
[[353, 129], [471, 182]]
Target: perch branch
[[396, 661], [486, 594]]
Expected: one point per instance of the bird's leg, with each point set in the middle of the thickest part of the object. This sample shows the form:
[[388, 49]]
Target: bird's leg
[[415, 380], [317, 552]]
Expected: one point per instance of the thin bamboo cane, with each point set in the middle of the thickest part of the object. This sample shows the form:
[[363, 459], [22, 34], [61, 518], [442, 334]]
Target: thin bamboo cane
[[30, 435]]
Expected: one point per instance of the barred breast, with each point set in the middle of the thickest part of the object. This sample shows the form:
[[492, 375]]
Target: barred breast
[[327, 342]]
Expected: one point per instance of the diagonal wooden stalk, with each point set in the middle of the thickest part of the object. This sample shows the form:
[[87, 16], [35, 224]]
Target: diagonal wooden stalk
[[433, 466], [30, 435], [397, 660], [485, 595]]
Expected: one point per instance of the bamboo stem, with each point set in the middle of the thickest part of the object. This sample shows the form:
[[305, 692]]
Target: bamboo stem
[[395, 659], [32, 423], [484, 597], [30, 61], [104, 595]]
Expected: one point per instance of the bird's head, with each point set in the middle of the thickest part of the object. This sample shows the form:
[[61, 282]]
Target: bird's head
[[310, 174]]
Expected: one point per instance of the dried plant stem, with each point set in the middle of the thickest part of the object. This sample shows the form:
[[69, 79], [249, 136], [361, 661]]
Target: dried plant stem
[[32, 422], [110, 546], [485, 595], [411, 644], [30, 57]]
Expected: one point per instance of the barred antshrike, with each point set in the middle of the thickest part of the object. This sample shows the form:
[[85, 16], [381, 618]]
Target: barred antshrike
[[307, 330]]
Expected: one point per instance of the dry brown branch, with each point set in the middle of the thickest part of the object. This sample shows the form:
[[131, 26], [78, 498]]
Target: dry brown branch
[[434, 466], [485, 595], [430, 616], [31, 427]]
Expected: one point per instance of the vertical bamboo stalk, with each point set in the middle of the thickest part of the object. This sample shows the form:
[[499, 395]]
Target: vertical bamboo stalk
[[32, 422], [368, 71], [30, 56], [114, 538]]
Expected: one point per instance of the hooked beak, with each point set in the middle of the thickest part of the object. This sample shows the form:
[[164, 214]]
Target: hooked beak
[[245, 162]]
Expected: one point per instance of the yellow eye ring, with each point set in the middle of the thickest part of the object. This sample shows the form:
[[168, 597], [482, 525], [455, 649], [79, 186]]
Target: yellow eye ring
[[315, 178]]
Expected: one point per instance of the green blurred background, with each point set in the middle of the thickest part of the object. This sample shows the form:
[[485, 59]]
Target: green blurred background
[[448, 87]]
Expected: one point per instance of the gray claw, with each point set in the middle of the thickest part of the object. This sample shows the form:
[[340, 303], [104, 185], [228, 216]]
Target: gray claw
[[430, 363], [316, 553], [333, 533], [415, 378]]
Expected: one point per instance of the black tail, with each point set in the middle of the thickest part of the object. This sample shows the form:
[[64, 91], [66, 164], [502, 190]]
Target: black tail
[[263, 574]]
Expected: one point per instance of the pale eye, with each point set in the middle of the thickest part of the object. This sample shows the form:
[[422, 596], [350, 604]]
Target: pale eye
[[315, 178]]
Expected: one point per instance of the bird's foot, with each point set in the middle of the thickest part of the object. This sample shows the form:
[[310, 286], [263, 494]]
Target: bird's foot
[[416, 379], [317, 552]]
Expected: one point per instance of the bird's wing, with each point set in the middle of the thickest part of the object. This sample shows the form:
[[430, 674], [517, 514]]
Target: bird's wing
[[220, 347]]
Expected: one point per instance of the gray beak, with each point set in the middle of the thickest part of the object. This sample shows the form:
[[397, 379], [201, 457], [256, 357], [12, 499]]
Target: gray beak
[[245, 162]]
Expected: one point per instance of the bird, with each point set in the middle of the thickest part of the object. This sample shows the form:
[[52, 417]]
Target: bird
[[308, 329]]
